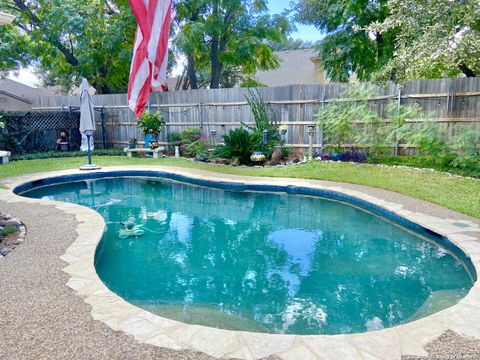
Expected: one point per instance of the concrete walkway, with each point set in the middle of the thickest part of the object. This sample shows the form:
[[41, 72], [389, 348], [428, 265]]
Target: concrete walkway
[[42, 318]]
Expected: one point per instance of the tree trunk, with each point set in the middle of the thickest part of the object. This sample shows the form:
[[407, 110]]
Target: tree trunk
[[467, 71], [215, 70], [192, 75]]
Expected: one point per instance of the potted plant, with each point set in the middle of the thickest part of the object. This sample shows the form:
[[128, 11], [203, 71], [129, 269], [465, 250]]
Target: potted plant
[[132, 143], [151, 125]]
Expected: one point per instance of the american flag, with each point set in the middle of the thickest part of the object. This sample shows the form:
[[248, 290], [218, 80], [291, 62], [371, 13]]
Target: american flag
[[148, 71]]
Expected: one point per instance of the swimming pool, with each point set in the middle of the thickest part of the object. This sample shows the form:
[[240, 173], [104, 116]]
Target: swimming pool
[[265, 261]]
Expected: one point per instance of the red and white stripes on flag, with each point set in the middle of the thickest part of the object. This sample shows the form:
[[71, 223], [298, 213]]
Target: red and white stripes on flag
[[148, 71]]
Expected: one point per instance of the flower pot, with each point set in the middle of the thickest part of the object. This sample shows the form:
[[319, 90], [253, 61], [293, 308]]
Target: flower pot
[[132, 146], [337, 156]]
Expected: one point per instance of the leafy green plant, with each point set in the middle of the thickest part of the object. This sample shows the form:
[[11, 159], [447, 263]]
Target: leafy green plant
[[239, 144], [465, 146], [429, 139], [151, 123], [191, 142], [264, 120], [8, 230], [398, 130], [338, 120]]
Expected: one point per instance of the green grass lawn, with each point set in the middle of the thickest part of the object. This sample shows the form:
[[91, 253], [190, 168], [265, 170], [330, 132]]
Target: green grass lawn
[[454, 192]]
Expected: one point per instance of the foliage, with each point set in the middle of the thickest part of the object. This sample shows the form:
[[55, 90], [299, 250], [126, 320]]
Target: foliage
[[420, 161], [67, 154], [174, 138], [349, 156], [8, 230], [337, 120], [397, 131], [290, 44], [434, 39], [225, 40], [191, 143], [465, 146], [132, 140], [151, 123], [239, 144], [191, 135], [429, 138], [66, 40], [348, 47], [264, 120]]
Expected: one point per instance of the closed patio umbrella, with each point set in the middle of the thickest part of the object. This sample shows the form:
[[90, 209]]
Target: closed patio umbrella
[[87, 121]]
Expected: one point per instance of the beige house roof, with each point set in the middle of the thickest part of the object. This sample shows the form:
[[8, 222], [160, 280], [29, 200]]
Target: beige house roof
[[296, 67], [18, 96]]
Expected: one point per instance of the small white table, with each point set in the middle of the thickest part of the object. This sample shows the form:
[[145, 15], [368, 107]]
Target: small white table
[[156, 152], [4, 155]]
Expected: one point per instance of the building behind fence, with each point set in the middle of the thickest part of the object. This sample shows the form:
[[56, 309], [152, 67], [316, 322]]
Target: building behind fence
[[451, 102]]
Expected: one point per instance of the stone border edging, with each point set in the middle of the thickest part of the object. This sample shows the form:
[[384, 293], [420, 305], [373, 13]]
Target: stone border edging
[[391, 343]]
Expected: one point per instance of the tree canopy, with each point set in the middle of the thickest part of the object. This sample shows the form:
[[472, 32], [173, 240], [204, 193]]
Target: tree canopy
[[225, 41], [348, 46], [69, 39], [435, 38]]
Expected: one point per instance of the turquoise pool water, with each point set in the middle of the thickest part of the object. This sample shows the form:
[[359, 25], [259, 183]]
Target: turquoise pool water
[[263, 262]]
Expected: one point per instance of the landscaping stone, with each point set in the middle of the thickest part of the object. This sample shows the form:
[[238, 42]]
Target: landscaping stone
[[276, 158], [222, 161], [5, 251], [10, 222]]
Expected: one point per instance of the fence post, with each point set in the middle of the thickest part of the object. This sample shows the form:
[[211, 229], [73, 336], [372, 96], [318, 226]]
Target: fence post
[[104, 132], [399, 103]]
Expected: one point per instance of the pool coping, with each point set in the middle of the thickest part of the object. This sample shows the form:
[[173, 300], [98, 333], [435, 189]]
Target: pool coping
[[391, 343]]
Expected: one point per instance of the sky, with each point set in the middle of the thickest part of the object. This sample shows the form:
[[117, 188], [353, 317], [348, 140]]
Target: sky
[[303, 32], [308, 33]]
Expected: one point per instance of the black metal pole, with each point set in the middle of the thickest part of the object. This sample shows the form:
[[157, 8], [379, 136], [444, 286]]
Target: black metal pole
[[89, 151]]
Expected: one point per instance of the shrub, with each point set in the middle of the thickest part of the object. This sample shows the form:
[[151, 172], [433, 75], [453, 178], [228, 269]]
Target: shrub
[[151, 123], [337, 120], [191, 142], [264, 120], [59, 154], [465, 147], [429, 139], [8, 230], [239, 144]]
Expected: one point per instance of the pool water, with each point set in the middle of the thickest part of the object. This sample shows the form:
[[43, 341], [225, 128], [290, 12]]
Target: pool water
[[263, 262]]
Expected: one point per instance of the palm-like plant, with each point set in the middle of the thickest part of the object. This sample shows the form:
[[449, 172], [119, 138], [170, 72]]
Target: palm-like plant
[[239, 144]]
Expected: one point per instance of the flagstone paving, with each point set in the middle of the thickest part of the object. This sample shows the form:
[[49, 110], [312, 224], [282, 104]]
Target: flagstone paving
[[43, 318]]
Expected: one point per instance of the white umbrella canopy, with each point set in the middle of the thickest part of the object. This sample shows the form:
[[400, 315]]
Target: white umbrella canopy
[[87, 121], [87, 113]]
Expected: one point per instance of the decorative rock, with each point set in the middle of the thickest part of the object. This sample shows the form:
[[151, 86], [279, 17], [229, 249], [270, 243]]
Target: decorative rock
[[5, 251], [222, 161], [1, 228], [18, 241], [276, 158], [10, 222], [7, 217]]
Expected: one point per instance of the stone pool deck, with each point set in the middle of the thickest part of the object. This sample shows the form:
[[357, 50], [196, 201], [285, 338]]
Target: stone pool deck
[[43, 318]]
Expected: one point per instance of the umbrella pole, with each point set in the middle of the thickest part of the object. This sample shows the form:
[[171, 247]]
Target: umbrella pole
[[90, 166], [89, 150]]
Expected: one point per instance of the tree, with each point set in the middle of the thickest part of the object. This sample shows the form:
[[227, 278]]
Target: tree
[[69, 39], [290, 44], [435, 38], [348, 46], [224, 41]]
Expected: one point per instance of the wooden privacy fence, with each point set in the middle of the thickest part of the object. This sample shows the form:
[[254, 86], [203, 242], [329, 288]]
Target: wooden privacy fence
[[451, 102]]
